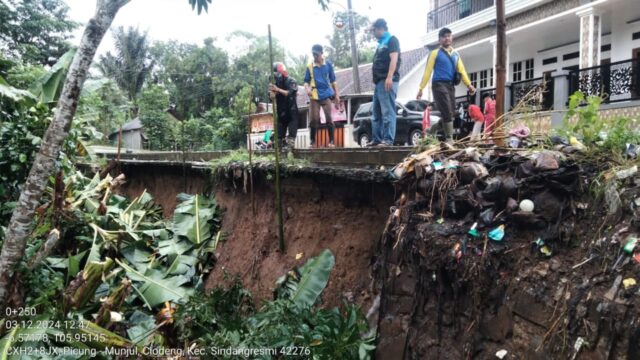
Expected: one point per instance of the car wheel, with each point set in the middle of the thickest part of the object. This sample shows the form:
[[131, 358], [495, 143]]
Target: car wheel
[[363, 140], [415, 136]]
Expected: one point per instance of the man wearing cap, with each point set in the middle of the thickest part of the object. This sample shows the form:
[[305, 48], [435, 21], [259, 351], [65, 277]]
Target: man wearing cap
[[320, 85], [386, 63], [448, 69], [285, 91]]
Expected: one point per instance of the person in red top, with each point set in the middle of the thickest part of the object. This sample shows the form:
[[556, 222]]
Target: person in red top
[[476, 115], [489, 114], [426, 119]]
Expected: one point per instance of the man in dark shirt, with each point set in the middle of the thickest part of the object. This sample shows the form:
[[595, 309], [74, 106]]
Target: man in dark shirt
[[285, 91], [386, 63]]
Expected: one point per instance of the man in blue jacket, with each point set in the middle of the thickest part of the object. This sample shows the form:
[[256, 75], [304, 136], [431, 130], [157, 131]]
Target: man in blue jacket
[[320, 85], [447, 68]]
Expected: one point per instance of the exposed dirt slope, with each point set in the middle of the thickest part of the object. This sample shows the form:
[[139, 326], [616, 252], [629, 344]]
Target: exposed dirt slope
[[321, 211]]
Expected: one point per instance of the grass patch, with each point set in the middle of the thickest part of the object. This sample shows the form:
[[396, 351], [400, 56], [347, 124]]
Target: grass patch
[[242, 156]]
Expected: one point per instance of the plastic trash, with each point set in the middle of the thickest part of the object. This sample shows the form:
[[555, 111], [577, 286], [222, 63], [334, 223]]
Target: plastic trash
[[521, 132], [629, 282], [500, 354], [576, 143], [487, 216], [514, 142], [299, 256], [526, 205], [632, 151], [626, 173], [437, 165], [630, 243], [546, 251], [636, 257], [497, 234], [473, 231], [440, 221]]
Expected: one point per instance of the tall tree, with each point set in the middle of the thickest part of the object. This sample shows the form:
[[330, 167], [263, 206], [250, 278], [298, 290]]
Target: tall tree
[[131, 64], [35, 31], [43, 167], [195, 76], [339, 49], [157, 127]]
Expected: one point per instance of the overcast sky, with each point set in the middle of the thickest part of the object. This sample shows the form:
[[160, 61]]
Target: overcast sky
[[297, 24]]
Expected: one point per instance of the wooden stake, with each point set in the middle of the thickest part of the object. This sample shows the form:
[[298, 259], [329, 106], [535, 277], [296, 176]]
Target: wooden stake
[[253, 202]]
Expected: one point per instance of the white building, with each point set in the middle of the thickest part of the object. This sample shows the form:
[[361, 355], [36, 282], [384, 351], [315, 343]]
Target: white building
[[551, 39]]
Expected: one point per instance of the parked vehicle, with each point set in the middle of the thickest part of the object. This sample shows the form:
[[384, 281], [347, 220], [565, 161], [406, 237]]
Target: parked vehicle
[[408, 123]]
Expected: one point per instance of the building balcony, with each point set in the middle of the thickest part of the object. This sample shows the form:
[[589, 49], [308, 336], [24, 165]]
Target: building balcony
[[455, 11]]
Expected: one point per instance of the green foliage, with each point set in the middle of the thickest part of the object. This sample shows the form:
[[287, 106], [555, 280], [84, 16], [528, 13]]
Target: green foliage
[[48, 87], [226, 318], [197, 77], [35, 31], [588, 125], [131, 64], [157, 124], [103, 105], [242, 156], [609, 135], [340, 50], [304, 287]]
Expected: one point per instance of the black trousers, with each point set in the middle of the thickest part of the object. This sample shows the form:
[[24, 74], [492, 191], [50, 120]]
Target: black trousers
[[444, 95], [288, 122]]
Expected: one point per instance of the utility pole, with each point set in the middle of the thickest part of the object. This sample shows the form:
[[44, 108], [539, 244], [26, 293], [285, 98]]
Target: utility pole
[[354, 51], [501, 69]]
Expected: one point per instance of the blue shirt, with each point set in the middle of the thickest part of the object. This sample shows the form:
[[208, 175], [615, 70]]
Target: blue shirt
[[323, 77]]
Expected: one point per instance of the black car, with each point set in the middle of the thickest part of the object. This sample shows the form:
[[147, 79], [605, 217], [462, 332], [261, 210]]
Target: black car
[[408, 122]]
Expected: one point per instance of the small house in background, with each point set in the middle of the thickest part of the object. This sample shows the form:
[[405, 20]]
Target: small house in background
[[132, 135]]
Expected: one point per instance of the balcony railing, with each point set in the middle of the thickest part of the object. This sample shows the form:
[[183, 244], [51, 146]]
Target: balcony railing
[[534, 93], [454, 11], [618, 81]]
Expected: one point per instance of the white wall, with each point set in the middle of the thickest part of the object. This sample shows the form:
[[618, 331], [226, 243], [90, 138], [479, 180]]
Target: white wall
[[622, 43]]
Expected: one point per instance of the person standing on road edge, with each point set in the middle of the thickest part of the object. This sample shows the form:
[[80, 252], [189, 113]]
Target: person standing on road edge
[[285, 91], [386, 62], [447, 68], [320, 85]]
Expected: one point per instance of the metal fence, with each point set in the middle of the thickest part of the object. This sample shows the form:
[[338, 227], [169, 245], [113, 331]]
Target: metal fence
[[456, 10], [536, 93], [617, 81]]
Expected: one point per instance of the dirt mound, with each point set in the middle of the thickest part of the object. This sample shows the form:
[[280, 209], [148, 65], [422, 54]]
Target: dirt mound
[[556, 284]]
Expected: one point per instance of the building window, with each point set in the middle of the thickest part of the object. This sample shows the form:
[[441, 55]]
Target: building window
[[523, 70], [528, 69], [486, 78], [569, 56], [474, 79], [517, 71], [635, 35], [604, 48], [551, 60]]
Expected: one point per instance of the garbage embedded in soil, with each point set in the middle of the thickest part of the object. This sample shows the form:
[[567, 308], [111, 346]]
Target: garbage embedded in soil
[[510, 253]]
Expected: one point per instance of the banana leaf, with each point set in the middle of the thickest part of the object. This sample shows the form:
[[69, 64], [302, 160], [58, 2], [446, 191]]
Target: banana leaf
[[16, 95], [154, 288], [314, 276], [194, 218], [49, 86]]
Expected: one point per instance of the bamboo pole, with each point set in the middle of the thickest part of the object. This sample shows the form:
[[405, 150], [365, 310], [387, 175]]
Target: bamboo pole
[[277, 151], [253, 202]]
